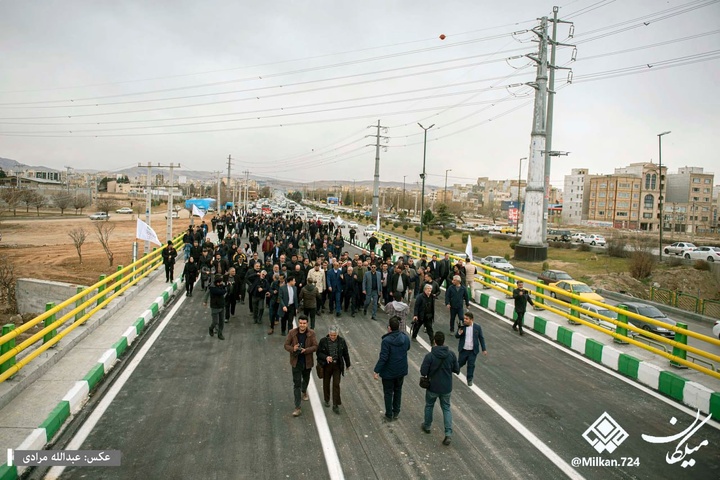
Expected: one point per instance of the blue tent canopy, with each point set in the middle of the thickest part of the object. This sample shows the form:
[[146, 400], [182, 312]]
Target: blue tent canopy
[[201, 203]]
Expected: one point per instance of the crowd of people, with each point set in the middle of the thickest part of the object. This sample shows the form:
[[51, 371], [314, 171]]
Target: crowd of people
[[298, 269]]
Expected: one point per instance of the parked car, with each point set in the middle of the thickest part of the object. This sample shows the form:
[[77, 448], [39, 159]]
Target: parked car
[[174, 215], [599, 311], [369, 230], [559, 235], [593, 239], [353, 225], [578, 288], [99, 216], [651, 312], [125, 210], [553, 276], [711, 254], [716, 329], [482, 228], [679, 248], [507, 230], [497, 262]]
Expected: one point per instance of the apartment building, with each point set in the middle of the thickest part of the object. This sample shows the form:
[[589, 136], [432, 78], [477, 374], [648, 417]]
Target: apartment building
[[689, 206], [574, 195]]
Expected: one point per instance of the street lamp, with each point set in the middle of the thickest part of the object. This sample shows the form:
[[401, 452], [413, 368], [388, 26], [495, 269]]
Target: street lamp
[[660, 135], [403, 197], [445, 193], [422, 193], [517, 224]]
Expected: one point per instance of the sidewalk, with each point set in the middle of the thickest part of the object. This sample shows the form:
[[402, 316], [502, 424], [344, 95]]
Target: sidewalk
[[63, 378]]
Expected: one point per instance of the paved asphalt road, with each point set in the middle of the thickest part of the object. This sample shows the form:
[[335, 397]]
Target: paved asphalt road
[[198, 407]]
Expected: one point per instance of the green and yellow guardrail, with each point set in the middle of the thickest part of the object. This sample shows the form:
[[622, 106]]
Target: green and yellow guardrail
[[100, 295], [544, 299]]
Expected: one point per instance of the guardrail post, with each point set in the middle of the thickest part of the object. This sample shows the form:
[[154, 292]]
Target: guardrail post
[[539, 301], [79, 302], [622, 319], [677, 351], [119, 285], [101, 288], [49, 321], [574, 302], [6, 347]]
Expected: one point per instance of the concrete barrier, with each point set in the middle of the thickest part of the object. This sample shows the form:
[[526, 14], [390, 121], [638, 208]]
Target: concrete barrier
[[32, 294]]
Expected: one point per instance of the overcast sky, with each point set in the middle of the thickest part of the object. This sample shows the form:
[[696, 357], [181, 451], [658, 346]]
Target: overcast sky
[[288, 88]]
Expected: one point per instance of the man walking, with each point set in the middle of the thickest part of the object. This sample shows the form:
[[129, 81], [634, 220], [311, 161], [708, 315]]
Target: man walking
[[335, 279], [471, 341], [521, 298], [371, 288], [168, 255], [424, 313], [392, 367], [301, 343], [455, 297], [438, 366], [288, 304], [216, 292], [333, 356]]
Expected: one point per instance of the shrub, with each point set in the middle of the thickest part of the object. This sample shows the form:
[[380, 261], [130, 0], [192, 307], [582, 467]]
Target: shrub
[[405, 227], [675, 261], [417, 228], [513, 244], [446, 234], [617, 247], [584, 247], [641, 264], [476, 249], [565, 245], [507, 256], [396, 224], [452, 245], [545, 266], [701, 265], [486, 240], [464, 237]]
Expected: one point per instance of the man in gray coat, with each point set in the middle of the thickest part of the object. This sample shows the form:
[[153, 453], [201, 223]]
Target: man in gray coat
[[371, 288]]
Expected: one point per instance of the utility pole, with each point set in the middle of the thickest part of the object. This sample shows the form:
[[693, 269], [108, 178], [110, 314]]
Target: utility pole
[[148, 200], [660, 178], [170, 200], [67, 178], [445, 192], [531, 247], [376, 181], [217, 207], [247, 180], [229, 159], [403, 197], [517, 226], [422, 194], [550, 109]]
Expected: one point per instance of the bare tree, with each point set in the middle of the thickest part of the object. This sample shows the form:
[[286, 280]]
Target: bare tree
[[80, 202], [62, 200], [26, 198], [105, 205], [37, 200], [104, 230], [78, 235], [11, 196], [7, 283]]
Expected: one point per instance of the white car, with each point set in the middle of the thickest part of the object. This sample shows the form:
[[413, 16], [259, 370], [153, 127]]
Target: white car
[[679, 248], [353, 225], [175, 214], [593, 239], [716, 329], [577, 236], [369, 230], [126, 210], [600, 311], [711, 254], [99, 216], [497, 262]]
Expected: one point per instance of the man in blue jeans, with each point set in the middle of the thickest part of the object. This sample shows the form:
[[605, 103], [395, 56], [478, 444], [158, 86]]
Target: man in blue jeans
[[371, 288], [471, 341], [439, 365], [392, 367]]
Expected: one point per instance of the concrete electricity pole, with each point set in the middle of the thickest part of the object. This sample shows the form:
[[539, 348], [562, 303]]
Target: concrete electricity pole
[[247, 180], [531, 247], [376, 181], [67, 178], [170, 201], [148, 200], [229, 159]]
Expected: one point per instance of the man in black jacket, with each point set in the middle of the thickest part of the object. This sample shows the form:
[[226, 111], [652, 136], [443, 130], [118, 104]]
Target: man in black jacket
[[258, 292], [439, 365], [217, 305], [521, 298], [168, 255], [387, 249], [424, 313], [334, 358], [233, 287]]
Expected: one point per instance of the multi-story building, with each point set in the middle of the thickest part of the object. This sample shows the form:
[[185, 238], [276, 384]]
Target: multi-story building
[[575, 185], [689, 204], [613, 200]]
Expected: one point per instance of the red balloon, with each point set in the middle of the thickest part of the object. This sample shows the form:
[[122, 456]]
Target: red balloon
[[442, 36]]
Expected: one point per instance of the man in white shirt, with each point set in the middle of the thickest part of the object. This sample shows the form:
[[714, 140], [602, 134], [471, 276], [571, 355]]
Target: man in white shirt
[[471, 340]]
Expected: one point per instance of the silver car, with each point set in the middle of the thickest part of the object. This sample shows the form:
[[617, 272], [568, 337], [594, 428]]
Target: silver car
[[679, 248], [599, 311], [497, 262]]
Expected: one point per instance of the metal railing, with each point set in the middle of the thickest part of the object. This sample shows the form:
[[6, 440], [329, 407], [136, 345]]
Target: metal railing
[[100, 295], [579, 315], [686, 301]]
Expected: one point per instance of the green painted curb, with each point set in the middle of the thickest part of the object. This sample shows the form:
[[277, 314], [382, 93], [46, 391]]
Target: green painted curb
[[155, 309], [500, 307], [8, 473], [94, 375], [120, 346], [166, 296], [56, 418], [671, 384], [139, 325], [715, 405], [594, 349], [628, 365], [484, 300], [540, 324], [564, 336]]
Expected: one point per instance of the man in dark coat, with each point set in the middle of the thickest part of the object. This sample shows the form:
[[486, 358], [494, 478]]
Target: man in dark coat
[[168, 255], [387, 249], [392, 367], [521, 298], [301, 342], [216, 293], [333, 357], [471, 341], [424, 313], [439, 365]]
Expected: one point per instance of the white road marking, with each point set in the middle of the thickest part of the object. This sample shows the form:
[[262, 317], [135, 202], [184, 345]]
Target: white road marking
[[519, 427], [92, 420]]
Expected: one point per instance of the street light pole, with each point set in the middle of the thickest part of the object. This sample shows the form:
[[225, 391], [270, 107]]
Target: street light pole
[[422, 193], [660, 135], [445, 192], [403, 197], [517, 224]]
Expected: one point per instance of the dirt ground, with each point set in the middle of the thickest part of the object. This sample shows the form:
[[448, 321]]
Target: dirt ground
[[680, 279]]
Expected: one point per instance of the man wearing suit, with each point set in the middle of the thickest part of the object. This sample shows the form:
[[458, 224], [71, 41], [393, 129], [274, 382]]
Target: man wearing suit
[[433, 268], [471, 341], [288, 304], [443, 271], [335, 279], [371, 288]]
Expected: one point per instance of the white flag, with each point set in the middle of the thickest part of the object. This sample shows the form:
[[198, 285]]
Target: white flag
[[339, 220], [468, 249], [145, 232], [378, 222], [197, 211]]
